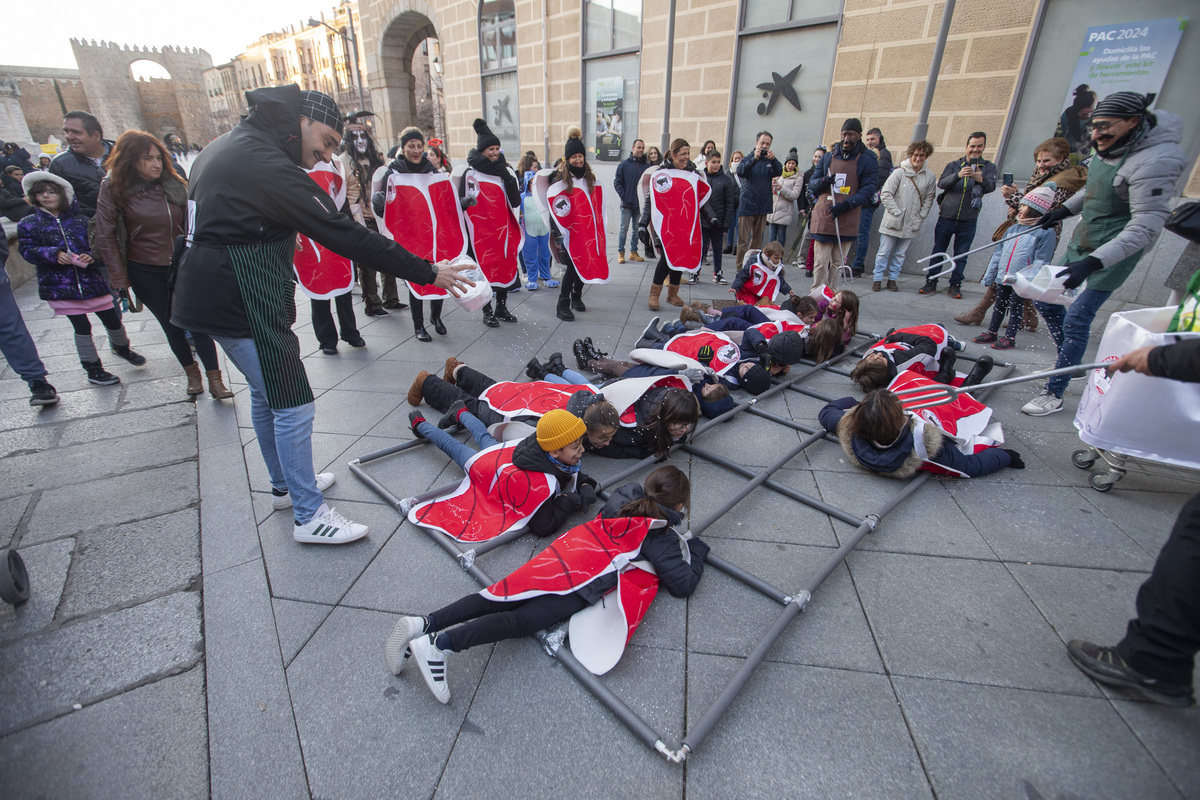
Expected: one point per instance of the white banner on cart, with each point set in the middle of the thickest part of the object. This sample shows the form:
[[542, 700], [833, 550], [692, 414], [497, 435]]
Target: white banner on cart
[[1132, 414]]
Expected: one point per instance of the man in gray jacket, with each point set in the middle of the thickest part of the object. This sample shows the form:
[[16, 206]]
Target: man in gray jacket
[[964, 182]]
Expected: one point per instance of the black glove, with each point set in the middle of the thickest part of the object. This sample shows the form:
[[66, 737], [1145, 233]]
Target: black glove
[[587, 495], [1078, 271], [1015, 462], [644, 236], [841, 208], [1053, 217], [377, 204], [585, 480], [823, 184], [705, 354], [467, 202]]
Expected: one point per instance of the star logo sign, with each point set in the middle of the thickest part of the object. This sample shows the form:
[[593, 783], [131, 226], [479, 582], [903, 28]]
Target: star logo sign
[[500, 111], [779, 86]]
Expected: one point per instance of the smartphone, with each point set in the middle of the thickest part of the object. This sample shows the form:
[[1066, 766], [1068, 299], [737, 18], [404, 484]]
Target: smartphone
[[1008, 179], [975, 162]]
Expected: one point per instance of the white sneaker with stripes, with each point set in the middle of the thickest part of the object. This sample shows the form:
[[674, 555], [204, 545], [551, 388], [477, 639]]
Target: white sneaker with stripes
[[282, 501], [432, 663], [328, 527], [397, 650]]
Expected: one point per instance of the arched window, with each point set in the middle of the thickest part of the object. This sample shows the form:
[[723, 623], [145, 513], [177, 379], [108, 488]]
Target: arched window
[[498, 71]]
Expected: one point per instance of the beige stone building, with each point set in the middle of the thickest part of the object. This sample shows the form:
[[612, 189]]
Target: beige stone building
[[795, 67]]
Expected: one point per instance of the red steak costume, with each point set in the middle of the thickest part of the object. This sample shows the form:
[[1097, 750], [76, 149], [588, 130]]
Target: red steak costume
[[493, 227], [422, 214], [321, 273], [676, 197]]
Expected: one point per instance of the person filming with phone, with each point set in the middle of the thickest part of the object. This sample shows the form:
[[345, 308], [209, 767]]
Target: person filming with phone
[[963, 184]]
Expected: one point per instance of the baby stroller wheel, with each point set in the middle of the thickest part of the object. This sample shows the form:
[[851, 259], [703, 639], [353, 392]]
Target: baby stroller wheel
[[1083, 458], [14, 580], [1101, 481]]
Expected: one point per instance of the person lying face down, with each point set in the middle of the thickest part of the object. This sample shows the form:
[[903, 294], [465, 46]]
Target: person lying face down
[[929, 349]]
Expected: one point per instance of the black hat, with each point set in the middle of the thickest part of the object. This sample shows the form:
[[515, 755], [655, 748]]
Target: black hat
[[852, 124], [786, 347], [574, 143], [792, 156], [756, 380], [486, 137], [1123, 105], [409, 134], [320, 107]]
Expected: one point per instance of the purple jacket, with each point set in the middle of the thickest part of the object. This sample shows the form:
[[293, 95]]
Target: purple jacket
[[41, 236]]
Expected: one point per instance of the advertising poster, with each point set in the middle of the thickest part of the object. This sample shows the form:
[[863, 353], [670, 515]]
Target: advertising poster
[[610, 97], [1126, 57]]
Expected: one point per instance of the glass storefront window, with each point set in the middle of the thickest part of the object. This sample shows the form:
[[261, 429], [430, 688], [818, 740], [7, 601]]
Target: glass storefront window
[[612, 25], [497, 35], [777, 12]]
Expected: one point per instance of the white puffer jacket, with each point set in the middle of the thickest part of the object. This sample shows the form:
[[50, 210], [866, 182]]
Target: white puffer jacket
[[906, 198]]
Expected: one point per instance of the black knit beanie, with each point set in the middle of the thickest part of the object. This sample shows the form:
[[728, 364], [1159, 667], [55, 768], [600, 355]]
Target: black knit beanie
[[574, 143], [852, 124], [486, 137]]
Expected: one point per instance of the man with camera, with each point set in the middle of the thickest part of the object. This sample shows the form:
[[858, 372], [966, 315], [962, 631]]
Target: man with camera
[[756, 171], [963, 184]]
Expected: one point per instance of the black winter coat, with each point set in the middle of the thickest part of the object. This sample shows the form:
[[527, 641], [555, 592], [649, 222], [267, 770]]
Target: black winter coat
[[629, 175], [549, 519], [722, 205], [83, 175], [679, 563]]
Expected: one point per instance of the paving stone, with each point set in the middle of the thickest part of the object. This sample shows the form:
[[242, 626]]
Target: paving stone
[[771, 442], [405, 474], [764, 515], [96, 658], [16, 414], [990, 742], [340, 679], [800, 731], [1171, 737], [296, 622], [505, 738], [352, 412], [156, 392], [66, 465], [726, 617], [150, 742], [216, 423], [112, 501], [129, 423], [27, 440], [131, 563], [1147, 517], [253, 749], [1090, 604], [322, 573], [230, 536], [960, 620], [47, 565], [1060, 527], [11, 512]]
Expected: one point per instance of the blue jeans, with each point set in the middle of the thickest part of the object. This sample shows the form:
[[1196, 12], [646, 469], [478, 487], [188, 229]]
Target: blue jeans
[[777, 233], [1075, 324], [284, 435], [864, 238], [537, 257], [15, 341], [569, 377], [458, 452], [890, 257], [964, 233], [628, 214]]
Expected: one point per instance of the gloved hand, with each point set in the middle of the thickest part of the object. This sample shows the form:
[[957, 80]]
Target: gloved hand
[[377, 204], [1053, 217], [761, 348], [586, 480], [1077, 272], [468, 201], [823, 184], [841, 208], [1016, 462], [587, 495], [765, 360], [694, 374], [644, 236], [705, 354]]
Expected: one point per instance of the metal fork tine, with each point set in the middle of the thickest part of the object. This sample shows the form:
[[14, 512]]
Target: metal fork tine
[[920, 397]]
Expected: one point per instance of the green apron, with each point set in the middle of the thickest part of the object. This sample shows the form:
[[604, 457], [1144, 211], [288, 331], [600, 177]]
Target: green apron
[[265, 277], [1105, 214]]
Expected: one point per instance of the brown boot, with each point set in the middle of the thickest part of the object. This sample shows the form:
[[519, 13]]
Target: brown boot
[[620, 256], [195, 385], [975, 315], [1029, 317], [416, 392], [635, 257], [655, 291], [892, 287], [216, 386], [452, 364], [673, 295]]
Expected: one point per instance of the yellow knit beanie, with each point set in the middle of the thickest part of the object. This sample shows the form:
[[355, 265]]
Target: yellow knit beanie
[[558, 428]]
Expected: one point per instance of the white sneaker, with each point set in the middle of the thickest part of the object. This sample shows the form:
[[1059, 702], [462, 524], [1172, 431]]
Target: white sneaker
[[1045, 403], [397, 650], [329, 527], [432, 663], [282, 501]]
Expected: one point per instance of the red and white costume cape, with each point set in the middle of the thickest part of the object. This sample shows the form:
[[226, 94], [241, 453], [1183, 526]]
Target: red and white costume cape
[[421, 214], [676, 197], [495, 497], [769, 329], [579, 217], [763, 282], [580, 556], [323, 274], [624, 393], [966, 421], [493, 226], [935, 332], [534, 398]]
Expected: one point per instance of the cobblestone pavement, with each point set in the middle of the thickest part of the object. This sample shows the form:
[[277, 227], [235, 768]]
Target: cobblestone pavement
[[931, 664]]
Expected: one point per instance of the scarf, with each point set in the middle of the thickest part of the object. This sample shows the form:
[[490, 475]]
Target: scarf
[[176, 192], [1125, 143], [787, 173], [577, 172], [497, 169], [570, 470]]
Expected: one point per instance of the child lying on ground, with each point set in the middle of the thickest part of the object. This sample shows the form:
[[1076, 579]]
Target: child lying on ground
[[559, 583], [928, 349]]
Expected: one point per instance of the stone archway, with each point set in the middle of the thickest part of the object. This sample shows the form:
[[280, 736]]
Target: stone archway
[[395, 37]]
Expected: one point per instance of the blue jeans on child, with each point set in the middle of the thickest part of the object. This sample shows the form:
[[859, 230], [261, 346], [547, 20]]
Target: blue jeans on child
[[1070, 328], [569, 377], [537, 257], [628, 214], [890, 257], [284, 434], [458, 452]]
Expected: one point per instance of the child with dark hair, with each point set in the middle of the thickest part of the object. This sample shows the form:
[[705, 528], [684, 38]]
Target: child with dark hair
[[879, 435], [928, 349], [555, 585], [760, 280]]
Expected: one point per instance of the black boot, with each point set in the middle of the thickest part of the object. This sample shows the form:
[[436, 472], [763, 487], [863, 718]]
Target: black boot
[[555, 366], [945, 373], [435, 316], [577, 300], [563, 311], [593, 353], [534, 369], [489, 318], [418, 318], [581, 354], [502, 312], [983, 365]]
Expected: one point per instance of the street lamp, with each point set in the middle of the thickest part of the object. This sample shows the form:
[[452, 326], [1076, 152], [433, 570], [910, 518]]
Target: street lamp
[[352, 40]]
